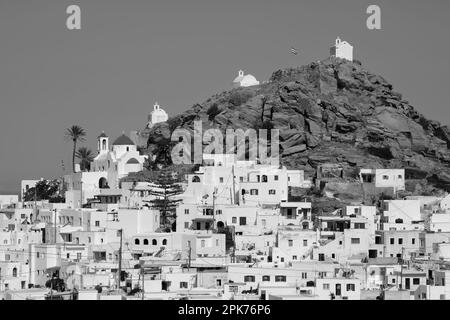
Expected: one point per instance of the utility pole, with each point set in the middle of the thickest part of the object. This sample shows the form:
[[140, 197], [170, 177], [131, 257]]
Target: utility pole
[[54, 212], [120, 259], [214, 208], [143, 283], [190, 253], [401, 269], [234, 187]]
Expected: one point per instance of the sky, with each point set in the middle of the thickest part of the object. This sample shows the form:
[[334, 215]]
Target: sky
[[129, 54]]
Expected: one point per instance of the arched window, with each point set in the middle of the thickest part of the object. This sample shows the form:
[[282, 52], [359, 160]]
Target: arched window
[[164, 242], [264, 178], [265, 278], [14, 273], [249, 279], [195, 179], [146, 242], [220, 224], [399, 220], [154, 242], [136, 241]]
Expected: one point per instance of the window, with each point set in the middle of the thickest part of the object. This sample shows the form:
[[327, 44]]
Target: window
[[400, 176], [413, 241], [350, 287], [183, 285], [254, 192], [219, 211], [249, 278], [195, 179], [242, 221], [356, 241], [146, 242], [385, 177], [400, 240], [217, 242], [68, 256], [186, 211], [234, 220], [272, 191], [241, 179], [275, 178], [416, 281], [392, 240], [291, 243], [37, 255], [333, 256], [280, 278], [154, 242], [305, 243], [265, 278], [14, 272], [304, 275], [322, 274], [97, 223], [218, 282], [321, 257], [326, 286], [203, 243], [164, 242], [294, 257], [221, 179], [186, 225], [359, 225]]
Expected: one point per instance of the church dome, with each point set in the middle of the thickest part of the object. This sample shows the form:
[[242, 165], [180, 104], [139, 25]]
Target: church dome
[[123, 140]]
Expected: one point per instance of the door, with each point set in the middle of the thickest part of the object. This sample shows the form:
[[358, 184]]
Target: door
[[407, 284], [338, 289]]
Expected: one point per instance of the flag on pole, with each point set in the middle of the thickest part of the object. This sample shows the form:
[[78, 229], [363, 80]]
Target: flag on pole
[[294, 51]]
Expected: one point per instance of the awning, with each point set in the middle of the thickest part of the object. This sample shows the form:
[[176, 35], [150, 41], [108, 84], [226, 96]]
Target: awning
[[205, 218], [40, 225], [70, 229]]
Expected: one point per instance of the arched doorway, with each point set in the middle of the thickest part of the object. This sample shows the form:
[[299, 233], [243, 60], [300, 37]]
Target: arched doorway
[[103, 183], [220, 225]]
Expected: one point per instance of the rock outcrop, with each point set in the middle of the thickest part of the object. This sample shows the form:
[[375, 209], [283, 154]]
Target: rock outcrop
[[333, 111]]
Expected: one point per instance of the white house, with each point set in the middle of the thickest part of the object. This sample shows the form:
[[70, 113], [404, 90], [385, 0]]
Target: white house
[[342, 49], [384, 178], [245, 80]]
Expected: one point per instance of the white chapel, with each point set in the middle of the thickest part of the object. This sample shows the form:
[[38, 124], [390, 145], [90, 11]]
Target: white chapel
[[245, 80], [342, 49]]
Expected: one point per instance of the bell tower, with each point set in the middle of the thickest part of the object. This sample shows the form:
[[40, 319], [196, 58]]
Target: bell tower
[[103, 143]]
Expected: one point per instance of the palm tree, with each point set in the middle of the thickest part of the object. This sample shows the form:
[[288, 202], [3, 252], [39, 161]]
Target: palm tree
[[75, 134], [85, 156]]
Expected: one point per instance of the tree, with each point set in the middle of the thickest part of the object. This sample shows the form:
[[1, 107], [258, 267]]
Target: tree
[[85, 156], [45, 190], [165, 189], [163, 154], [75, 134]]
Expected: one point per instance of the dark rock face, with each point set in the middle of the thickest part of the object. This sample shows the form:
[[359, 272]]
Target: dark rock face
[[330, 111]]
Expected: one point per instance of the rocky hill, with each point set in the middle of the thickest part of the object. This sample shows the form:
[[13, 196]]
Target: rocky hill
[[333, 111]]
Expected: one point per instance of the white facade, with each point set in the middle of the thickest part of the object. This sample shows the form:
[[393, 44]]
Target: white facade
[[342, 49], [157, 115], [384, 178]]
